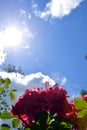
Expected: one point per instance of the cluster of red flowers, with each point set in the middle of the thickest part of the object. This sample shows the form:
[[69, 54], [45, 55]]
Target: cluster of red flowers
[[52, 100]]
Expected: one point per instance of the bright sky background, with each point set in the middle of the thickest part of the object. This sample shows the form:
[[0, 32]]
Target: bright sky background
[[47, 36]]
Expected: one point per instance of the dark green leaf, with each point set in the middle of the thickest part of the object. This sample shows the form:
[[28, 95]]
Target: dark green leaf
[[42, 117], [2, 81], [61, 119], [27, 128], [35, 126]]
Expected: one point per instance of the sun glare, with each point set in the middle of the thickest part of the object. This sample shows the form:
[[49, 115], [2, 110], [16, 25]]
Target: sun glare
[[12, 36]]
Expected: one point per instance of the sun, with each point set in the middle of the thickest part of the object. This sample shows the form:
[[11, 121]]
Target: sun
[[12, 36]]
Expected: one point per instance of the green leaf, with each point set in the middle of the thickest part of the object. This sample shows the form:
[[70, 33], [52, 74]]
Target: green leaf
[[1, 89], [82, 113], [12, 95], [5, 127], [66, 125], [6, 115], [15, 123], [80, 103], [7, 82], [82, 123]]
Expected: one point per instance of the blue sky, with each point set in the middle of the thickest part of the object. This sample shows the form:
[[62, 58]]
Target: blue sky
[[54, 38]]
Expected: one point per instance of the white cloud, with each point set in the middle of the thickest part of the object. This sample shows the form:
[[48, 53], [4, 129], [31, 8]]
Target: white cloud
[[21, 82], [57, 8], [63, 81]]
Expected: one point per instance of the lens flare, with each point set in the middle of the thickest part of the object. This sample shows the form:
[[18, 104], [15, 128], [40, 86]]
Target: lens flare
[[12, 36]]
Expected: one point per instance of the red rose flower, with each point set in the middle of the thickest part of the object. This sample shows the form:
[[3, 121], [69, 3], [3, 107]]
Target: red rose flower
[[34, 100]]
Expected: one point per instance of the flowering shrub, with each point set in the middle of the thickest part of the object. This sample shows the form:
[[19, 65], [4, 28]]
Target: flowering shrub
[[49, 109], [51, 100]]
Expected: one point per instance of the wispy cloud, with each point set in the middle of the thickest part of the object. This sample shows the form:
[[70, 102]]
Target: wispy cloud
[[28, 32], [57, 8], [59, 78], [25, 15], [22, 12], [28, 36], [63, 81]]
